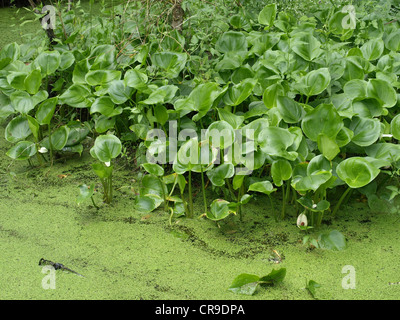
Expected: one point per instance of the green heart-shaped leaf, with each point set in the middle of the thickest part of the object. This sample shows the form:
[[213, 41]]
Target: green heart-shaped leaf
[[314, 82], [106, 148], [267, 15], [33, 82], [306, 46], [265, 187], [218, 175], [220, 134], [171, 63], [372, 49], [22, 101], [85, 193], [244, 284], [232, 41], [366, 131], [219, 210], [281, 170], [76, 96], [17, 129], [274, 141], [102, 77], [105, 106], [23, 150], [323, 119], [382, 91], [332, 240], [154, 169], [290, 110], [239, 92], [357, 172], [48, 61]]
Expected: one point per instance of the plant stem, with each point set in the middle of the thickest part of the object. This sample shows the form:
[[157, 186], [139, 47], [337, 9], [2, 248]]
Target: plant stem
[[348, 196], [287, 192], [170, 216], [110, 190], [340, 201], [321, 215], [94, 203], [51, 147], [316, 196], [164, 196], [283, 202], [185, 204], [190, 195], [204, 189], [318, 218], [239, 196], [39, 159], [296, 204], [173, 188], [105, 190], [230, 188], [312, 218], [43, 157]]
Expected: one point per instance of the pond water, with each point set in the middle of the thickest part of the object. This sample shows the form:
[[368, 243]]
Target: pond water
[[10, 20], [125, 254]]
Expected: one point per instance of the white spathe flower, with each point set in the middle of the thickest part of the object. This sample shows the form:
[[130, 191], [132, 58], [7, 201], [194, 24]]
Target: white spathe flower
[[387, 135], [107, 163], [314, 206], [302, 220], [42, 150]]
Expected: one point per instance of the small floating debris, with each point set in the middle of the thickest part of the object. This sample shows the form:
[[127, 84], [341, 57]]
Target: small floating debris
[[275, 257]]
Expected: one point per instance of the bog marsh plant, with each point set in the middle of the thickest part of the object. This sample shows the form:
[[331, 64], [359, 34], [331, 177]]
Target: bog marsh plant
[[105, 149], [312, 287], [247, 283], [302, 109]]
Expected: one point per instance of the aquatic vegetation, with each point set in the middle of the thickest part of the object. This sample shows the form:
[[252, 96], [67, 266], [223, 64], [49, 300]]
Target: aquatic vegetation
[[248, 283], [105, 149], [312, 287], [302, 110], [202, 132]]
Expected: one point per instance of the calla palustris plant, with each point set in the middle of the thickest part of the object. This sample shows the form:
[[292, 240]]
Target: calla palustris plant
[[105, 149], [316, 97]]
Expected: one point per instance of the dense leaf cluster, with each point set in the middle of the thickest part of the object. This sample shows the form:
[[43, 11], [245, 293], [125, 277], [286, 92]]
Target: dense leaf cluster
[[320, 94]]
